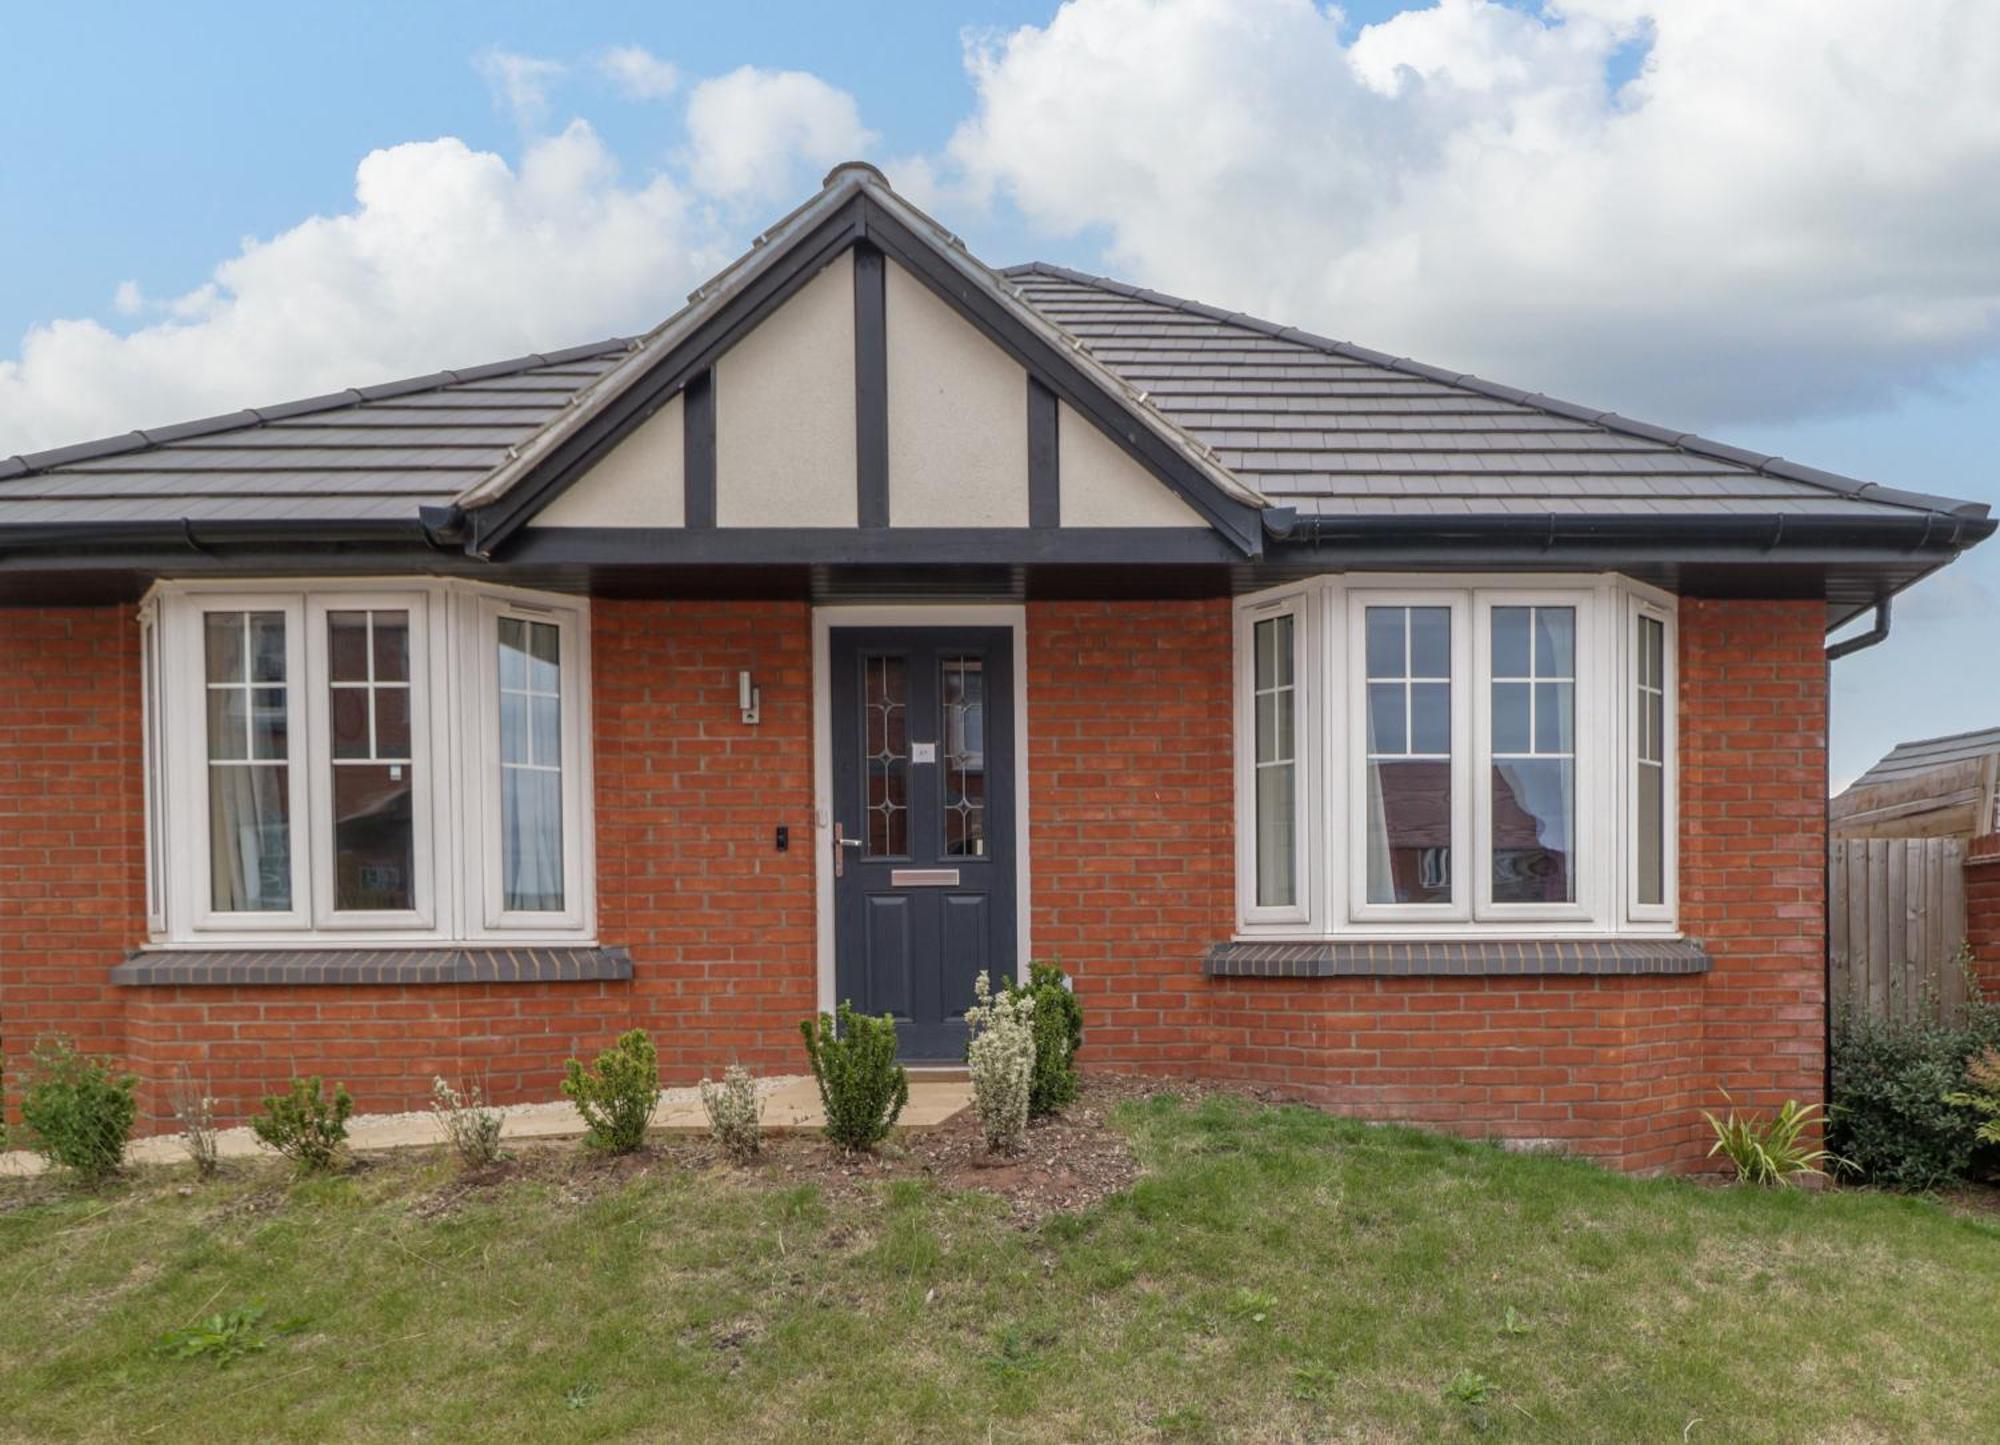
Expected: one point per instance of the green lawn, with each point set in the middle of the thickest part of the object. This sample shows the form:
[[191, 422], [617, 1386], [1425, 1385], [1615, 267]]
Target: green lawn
[[1276, 1274]]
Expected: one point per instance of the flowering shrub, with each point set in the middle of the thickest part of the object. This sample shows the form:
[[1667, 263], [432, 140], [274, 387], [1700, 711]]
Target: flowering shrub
[[1001, 1057], [732, 1113], [472, 1129]]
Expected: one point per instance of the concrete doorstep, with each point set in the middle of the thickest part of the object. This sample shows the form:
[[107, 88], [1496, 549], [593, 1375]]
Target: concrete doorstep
[[787, 1105]]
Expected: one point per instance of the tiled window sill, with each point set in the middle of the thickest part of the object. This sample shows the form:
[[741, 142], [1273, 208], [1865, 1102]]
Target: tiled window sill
[[312, 967], [1456, 959]]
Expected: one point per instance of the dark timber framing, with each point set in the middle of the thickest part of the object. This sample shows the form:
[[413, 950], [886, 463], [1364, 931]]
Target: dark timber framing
[[871, 387], [698, 451], [860, 219], [1044, 462]]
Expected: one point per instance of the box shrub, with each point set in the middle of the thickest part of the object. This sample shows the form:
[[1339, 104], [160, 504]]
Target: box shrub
[[618, 1094], [78, 1111], [1058, 1024], [1891, 1113], [306, 1124], [861, 1086]]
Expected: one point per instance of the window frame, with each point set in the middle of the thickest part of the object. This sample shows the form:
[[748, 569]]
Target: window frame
[[453, 633], [1587, 702], [1305, 755], [1331, 836], [1359, 598], [484, 801], [426, 686], [1641, 607]]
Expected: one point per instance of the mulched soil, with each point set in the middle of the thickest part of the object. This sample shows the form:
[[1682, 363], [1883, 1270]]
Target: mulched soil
[[1069, 1162]]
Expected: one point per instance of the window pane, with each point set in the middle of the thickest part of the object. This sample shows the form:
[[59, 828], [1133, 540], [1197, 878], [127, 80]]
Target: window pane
[[249, 800], [249, 838], [1649, 734], [392, 647], [531, 867], [373, 853], [1513, 726], [1534, 821], [1387, 723], [1510, 641], [1533, 781], [1276, 709], [392, 722], [1409, 832], [347, 646], [962, 694], [1652, 853], [1555, 642], [348, 708], [885, 708], [1386, 641], [1430, 642], [531, 824], [1430, 718], [223, 640]]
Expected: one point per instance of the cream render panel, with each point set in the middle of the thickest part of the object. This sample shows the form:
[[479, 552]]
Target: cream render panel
[[1103, 487], [640, 484], [784, 413], [958, 417]]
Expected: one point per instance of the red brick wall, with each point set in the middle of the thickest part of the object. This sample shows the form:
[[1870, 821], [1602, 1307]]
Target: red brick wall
[[1131, 799], [72, 862], [1753, 842]]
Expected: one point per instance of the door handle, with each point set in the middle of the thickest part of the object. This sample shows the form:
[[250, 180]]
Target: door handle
[[841, 843]]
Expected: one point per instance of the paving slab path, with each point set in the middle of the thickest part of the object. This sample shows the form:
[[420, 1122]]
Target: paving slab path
[[787, 1104]]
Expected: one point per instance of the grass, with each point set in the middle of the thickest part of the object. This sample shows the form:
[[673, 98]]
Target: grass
[[1277, 1274]]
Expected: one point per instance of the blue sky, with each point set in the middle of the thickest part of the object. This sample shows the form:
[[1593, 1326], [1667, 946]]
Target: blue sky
[[144, 145]]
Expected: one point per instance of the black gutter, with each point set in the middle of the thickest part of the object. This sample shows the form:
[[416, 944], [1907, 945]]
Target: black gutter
[[1878, 633]]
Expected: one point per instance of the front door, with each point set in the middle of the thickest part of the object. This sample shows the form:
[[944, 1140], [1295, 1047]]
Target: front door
[[923, 823]]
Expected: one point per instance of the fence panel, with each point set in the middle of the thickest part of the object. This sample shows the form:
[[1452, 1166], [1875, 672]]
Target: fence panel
[[1896, 919]]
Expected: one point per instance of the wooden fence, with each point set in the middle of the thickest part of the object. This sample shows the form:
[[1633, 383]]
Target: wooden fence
[[1896, 921]]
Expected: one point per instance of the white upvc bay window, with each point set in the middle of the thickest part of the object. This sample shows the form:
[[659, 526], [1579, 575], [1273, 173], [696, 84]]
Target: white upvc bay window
[[366, 762], [1444, 756]]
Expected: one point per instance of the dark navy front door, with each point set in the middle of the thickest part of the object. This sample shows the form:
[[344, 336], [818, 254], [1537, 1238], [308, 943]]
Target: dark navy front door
[[923, 814]]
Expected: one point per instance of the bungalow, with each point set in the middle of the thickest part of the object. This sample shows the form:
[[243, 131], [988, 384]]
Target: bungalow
[[1398, 739]]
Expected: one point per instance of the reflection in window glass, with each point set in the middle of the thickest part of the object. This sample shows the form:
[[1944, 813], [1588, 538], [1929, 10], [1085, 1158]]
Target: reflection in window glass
[[374, 783], [531, 834], [1534, 754], [249, 754], [1649, 733], [1274, 691], [962, 691], [1408, 706]]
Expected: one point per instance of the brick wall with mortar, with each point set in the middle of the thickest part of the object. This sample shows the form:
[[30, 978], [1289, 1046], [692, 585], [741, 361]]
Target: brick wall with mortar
[[1132, 816]]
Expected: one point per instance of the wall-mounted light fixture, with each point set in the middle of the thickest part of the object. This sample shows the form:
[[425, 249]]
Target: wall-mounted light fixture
[[747, 698]]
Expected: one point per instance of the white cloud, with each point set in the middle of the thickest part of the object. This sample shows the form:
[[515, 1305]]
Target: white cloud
[[638, 73], [766, 135], [1789, 207], [449, 257], [520, 83]]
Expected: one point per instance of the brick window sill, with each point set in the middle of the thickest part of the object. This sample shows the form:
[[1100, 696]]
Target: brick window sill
[[1456, 959], [317, 967]]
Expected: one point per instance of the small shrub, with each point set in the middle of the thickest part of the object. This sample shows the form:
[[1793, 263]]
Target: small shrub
[[1982, 1096], [1772, 1153], [732, 1112], [1058, 1036], [861, 1086], [78, 1112], [306, 1124], [618, 1094], [194, 1109], [1001, 1058], [472, 1129], [1892, 1080]]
